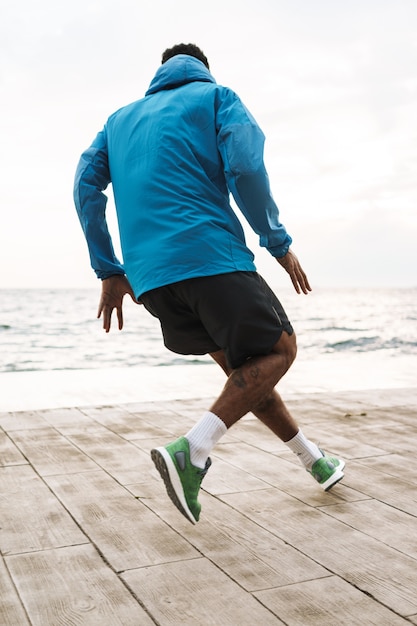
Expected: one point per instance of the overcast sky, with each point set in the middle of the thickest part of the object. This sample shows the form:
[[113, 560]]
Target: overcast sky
[[333, 84]]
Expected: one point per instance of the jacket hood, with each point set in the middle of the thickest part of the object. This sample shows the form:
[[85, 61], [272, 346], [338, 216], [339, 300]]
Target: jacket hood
[[179, 70]]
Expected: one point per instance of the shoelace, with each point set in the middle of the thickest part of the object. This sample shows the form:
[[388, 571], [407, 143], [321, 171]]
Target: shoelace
[[204, 471]]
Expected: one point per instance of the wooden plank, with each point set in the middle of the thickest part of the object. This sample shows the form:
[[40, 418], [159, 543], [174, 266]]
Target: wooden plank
[[50, 453], [365, 562], [359, 399], [66, 416], [328, 600], [391, 397], [131, 426], [191, 408], [158, 414], [405, 415], [247, 553], [253, 432], [31, 517], [333, 441], [127, 424], [12, 612], [316, 408], [120, 458], [126, 532], [147, 444], [226, 478], [21, 420], [148, 406], [392, 490], [396, 436], [9, 454], [196, 592], [391, 526], [73, 585], [394, 465], [362, 428]]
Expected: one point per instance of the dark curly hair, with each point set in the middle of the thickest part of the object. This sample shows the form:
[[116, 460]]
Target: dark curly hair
[[185, 48]]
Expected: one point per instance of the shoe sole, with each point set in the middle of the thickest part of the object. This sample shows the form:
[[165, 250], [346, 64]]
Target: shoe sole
[[335, 477], [173, 485]]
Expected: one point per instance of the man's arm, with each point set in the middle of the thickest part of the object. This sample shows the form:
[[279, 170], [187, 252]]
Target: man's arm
[[91, 179], [241, 144]]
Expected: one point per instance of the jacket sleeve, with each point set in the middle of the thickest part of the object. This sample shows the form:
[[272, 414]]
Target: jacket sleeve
[[241, 145], [91, 178]]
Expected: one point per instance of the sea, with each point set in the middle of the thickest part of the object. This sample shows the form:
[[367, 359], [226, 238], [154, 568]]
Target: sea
[[346, 337]]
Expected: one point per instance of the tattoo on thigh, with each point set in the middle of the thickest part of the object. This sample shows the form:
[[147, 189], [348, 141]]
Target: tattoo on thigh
[[254, 371]]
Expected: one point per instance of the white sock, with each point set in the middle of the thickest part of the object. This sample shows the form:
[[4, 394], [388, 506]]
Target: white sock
[[306, 450], [203, 437]]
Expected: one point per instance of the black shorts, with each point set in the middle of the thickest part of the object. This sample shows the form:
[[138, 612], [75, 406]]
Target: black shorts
[[235, 312]]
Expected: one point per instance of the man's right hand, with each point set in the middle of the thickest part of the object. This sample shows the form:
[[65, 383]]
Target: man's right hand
[[113, 290], [291, 264]]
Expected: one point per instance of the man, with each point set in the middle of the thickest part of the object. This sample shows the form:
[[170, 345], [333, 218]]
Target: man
[[172, 158]]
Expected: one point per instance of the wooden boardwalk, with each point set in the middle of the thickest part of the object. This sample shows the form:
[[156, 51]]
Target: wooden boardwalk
[[89, 537]]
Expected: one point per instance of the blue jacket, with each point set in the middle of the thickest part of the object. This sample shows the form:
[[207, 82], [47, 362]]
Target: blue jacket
[[172, 158]]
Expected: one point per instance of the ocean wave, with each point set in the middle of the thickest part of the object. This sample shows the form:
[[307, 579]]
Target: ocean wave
[[369, 344], [58, 330], [344, 329]]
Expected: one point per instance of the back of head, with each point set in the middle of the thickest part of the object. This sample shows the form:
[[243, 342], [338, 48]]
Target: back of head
[[185, 48]]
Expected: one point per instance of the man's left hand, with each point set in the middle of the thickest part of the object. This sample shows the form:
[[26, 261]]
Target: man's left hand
[[291, 264]]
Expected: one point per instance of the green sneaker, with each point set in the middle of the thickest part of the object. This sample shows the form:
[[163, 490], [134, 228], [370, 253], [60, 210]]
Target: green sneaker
[[182, 480], [327, 471]]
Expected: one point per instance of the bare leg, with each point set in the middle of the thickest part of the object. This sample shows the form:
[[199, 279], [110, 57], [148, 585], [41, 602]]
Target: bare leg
[[251, 388]]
